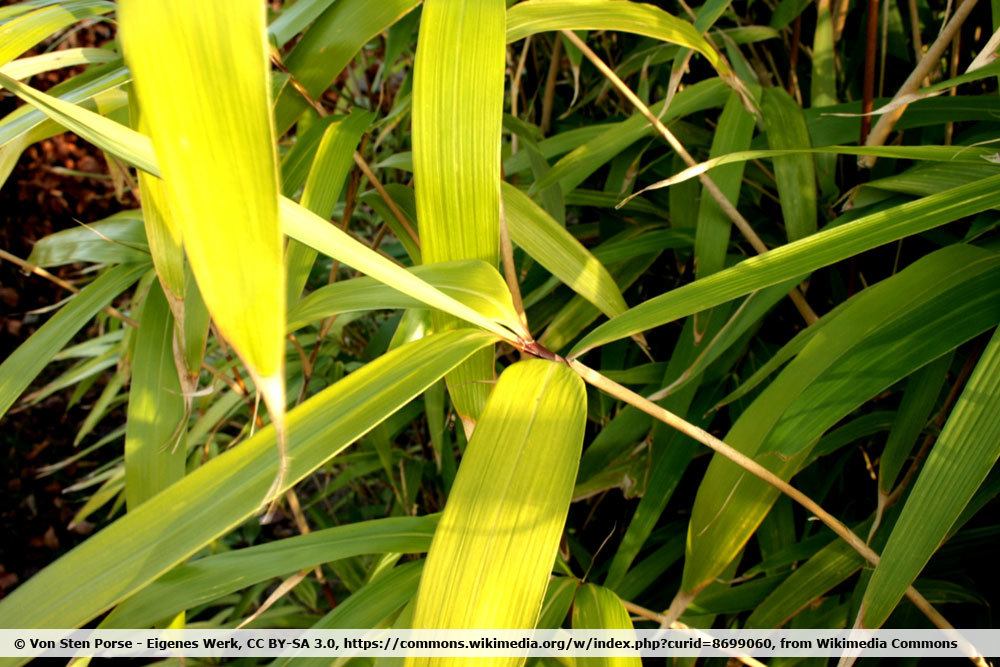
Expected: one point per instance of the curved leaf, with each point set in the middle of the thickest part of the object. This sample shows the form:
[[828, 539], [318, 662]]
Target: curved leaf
[[138, 548], [27, 361], [881, 336], [209, 578], [458, 82], [533, 16]]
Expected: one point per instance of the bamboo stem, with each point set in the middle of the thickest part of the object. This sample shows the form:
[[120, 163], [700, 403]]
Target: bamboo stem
[[42, 273], [757, 470], [880, 133], [868, 85], [808, 314]]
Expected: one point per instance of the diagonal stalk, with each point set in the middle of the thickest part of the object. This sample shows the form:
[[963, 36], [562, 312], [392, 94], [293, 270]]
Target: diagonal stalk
[[622, 393], [28, 267], [713, 190], [930, 60]]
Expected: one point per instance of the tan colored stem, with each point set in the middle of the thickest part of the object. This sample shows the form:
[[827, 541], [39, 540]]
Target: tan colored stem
[[549, 96], [918, 43], [713, 190], [509, 270], [757, 470], [386, 197], [886, 123], [515, 89], [42, 273]]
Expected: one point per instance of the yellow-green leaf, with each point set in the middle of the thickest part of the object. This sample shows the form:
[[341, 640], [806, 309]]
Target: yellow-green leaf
[[457, 114], [23, 32], [597, 608], [329, 170], [472, 282], [492, 554], [163, 233], [27, 361], [133, 551], [548, 242], [201, 73], [154, 451]]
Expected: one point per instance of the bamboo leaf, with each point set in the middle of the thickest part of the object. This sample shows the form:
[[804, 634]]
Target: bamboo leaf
[[533, 16], [209, 578], [330, 167], [208, 61], [585, 159], [795, 174], [457, 116], [165, 530], [471, 282], [492, 554], [27, 361], [597, 608], [27, 125], [307, 227], [922, 391], [163, 232], [116, 239], [965, 452], [548, 242], [881, 336], [799, 258], [373, 605], [734, 132], [962, 156], [154, 427], [294, 19], [579, 313], [24, 68], [328, 45], [22, 32]]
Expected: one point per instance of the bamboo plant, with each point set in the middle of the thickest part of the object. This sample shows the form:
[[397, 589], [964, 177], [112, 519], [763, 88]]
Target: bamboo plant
[[434, 283]]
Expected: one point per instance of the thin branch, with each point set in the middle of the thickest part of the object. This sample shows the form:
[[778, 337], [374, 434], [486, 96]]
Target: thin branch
[[713, 190], [757, 470], [509, 270], [549, 96], [386, 197], [918, 44], [39, 271], [956, 46], [868, 85], [928, 62], [515, 89]]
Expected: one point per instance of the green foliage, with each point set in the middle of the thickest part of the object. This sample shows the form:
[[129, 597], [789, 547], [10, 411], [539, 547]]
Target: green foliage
[[392, 253]]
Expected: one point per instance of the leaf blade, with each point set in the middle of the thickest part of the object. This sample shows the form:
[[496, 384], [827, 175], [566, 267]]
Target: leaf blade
[[209, 61], [507, 507], [457, 119], [136, 549]]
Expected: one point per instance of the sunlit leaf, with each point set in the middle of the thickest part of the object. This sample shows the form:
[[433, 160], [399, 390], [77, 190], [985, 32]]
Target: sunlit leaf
[[489, 563]]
